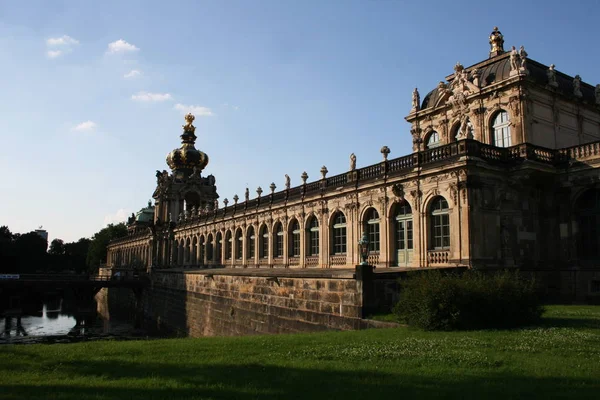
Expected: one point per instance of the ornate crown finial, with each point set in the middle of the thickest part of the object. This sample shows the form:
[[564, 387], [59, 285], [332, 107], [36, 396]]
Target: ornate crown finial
[[496, 43], [188, 127]]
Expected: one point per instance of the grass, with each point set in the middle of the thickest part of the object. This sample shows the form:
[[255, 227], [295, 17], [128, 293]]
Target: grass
[[560, 358]]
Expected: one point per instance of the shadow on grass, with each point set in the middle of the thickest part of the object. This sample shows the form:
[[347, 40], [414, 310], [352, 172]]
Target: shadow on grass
[[119, 380], [557, 322]]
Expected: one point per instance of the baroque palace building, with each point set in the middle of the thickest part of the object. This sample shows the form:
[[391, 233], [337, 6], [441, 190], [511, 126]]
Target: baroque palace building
[[504, 173]]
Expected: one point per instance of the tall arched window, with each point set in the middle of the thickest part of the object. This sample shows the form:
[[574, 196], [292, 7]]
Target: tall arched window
[[433, 140], [338, 234], [501, 130], [239, 249], [219, 247], [209, 248], [403, 232], [264, 242], [371, 226], [440, 224], [202, 250], [187, 250], [587, 211], [228, 246], [295, 239], [194, 254], [251, 240], [313, 236], [278, 240]]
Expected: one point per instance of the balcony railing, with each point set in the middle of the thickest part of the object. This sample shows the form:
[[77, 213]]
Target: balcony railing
[[311, 261], [438, 257], [338, 259]]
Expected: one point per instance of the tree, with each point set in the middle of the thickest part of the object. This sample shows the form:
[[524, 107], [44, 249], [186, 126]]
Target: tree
[[7, 250], [30, 251], [97, 248], [57, 247]]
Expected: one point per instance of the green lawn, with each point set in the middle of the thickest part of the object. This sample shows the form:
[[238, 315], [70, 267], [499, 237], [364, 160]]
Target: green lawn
[[560, 358]]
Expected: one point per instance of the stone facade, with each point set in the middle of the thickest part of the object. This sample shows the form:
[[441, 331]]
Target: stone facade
[[504, 173]]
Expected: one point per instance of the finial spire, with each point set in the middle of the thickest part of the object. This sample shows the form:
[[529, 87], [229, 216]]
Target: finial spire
[[188, 127], [496, 43]]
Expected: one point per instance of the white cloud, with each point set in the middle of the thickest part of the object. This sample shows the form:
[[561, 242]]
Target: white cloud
[[120, 46], [54, 53], [86, 126], [64, 40], [120, 216], [198, 111], [132, 74], [146, 96]]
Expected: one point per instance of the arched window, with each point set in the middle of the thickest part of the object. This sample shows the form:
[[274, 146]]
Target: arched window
[[228, 245], [371, 226], [187, 250], [338, 234], [202, 250], [433, 140], [219, 247], [501, 130], [313, 236], [295, 239], [403, 233], [440, 224], [264, 242], [587, 211], [251, 243], [194, 250], [209, 248], [239, 250], [278, 240]]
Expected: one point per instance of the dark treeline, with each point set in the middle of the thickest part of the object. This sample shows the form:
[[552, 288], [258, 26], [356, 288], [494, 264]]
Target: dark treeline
[[26, 253]]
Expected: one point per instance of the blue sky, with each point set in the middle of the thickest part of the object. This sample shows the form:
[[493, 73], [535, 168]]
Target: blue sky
[[285, 86]]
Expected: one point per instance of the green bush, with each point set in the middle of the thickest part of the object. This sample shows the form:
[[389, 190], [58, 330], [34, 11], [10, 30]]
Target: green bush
[[435, 300]]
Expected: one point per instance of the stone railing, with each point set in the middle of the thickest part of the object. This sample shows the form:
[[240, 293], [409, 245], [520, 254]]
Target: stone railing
[[373, 258], [338, 259], [438, 257], [278, 261], [294, 261], [311, 261], [263, 261], [582, 152]]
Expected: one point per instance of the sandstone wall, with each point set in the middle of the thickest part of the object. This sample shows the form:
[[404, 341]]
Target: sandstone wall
[[209, 304]]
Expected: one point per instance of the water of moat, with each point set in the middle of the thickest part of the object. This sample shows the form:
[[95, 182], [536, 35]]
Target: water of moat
[[54, 318]]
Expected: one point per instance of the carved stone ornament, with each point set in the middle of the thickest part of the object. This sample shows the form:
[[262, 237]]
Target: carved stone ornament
[[398, 190]]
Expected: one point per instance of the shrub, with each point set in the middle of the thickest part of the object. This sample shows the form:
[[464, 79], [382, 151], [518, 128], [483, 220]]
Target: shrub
[[435, 300]]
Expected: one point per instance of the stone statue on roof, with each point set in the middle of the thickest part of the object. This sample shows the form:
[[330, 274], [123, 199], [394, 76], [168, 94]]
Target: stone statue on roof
[[577, 86], [352, 162], [287, 181], [551, 74], [514, 59], [416, 100]]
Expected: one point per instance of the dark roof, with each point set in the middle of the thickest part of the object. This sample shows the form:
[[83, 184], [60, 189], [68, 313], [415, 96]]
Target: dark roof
[[497, 69]]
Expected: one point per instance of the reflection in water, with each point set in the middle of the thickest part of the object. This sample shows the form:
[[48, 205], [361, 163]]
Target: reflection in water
[[59, 321]]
